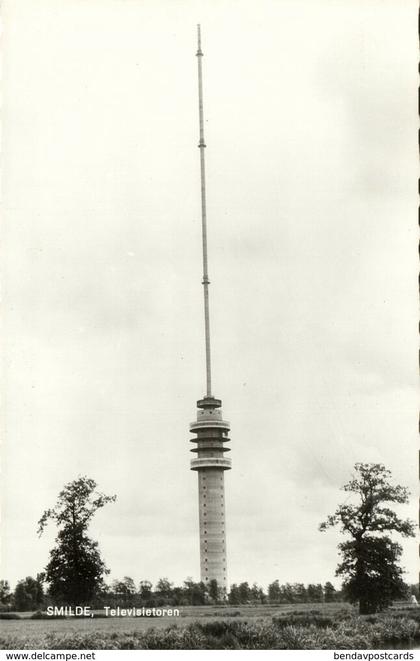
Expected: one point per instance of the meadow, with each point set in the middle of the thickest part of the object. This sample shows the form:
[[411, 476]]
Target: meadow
[[310, 626]]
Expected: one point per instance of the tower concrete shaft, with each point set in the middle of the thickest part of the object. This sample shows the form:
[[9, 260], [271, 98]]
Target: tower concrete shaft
[[211, 435]]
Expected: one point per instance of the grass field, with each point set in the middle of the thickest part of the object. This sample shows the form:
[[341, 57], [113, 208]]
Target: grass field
[[294, 626], [188, 615]]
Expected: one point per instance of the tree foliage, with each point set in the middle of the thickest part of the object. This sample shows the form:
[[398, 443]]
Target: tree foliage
[[5, 594], [294, 593], [369, 558], [122, 592], [330, 593], [124, 589], [195, 594], [215, 591], [382, 578], [29, 594], [145, 591], [75, 571]]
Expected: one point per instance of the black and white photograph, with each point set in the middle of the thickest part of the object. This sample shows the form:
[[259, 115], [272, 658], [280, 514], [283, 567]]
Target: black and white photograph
[[209, 327]]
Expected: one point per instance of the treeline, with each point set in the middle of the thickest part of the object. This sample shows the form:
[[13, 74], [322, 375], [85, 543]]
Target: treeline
[[30, 594], [200, 594]]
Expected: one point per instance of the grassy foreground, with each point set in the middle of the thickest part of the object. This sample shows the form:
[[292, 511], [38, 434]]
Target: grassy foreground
[[306, 629]]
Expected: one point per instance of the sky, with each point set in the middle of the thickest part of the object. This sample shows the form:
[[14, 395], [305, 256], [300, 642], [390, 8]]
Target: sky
[[310, 116]]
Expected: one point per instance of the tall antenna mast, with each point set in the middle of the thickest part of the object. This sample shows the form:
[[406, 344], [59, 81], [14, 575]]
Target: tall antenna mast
[[210, 430], [206, 281]]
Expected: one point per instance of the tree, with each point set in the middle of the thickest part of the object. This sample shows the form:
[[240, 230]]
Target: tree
[[300, 592], [199, 594], [274, 592], [195, 594], [234, 596], [382, 580], [29, 594], [414, 591], [145, 591], [369, 567], [257, 594], [75, 571], [287, 593], [164, 591], [215, 592], [125, 589], [244, 592], [315, 593], [330, 592], [5, 595]]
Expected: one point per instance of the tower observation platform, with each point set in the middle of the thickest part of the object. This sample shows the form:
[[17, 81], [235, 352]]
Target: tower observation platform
[[210, 430]]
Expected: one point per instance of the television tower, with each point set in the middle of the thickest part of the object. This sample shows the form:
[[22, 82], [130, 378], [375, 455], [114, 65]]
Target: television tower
[[210, 429]]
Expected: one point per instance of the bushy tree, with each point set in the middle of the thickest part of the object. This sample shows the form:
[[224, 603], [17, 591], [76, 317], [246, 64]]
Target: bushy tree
[[288, 594], [234, 596], [257, 594], [274, 592], [215, 591], [29, 594], [300, 593], [164, 592], [125, 589], [369, 566], [5, 594], [315, 593], [75, 571], [414, 591], [330, 593], [244, 592], [145, 592], [291, 593], [195, 593], [382, 578]]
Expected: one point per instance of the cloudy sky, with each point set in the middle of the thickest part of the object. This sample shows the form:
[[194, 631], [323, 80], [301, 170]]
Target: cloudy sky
[[310, 112]]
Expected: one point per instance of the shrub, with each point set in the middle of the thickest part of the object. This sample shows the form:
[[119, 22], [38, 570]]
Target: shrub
[[39, 615], [9, 616]]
